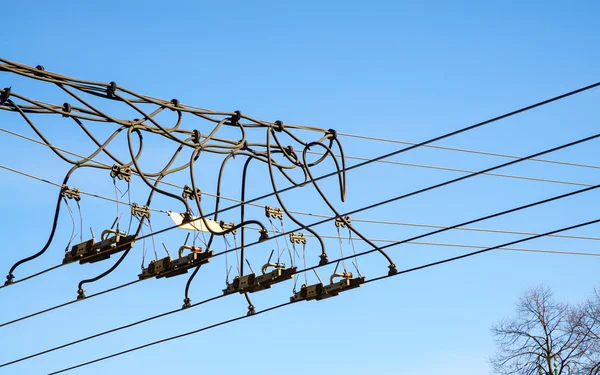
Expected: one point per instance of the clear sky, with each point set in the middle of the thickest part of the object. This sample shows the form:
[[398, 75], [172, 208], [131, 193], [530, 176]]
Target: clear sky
[[400, 70]]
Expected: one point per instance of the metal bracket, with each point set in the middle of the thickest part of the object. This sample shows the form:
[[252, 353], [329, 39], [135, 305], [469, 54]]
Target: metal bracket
[[227, 226], [297, 238], [68, 193], [343, 221], [274, 212], [122, 173], [140, 211], [188, 193]]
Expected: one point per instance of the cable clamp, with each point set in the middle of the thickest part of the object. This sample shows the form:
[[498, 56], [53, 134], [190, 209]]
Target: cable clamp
[[41, 69], [140, 211], [5, 94], [233, 120], [68, 193], [297, 238], [274, 212], [66, 109], [332, 134], [122, 173], [278, 126], [227, 226], [343, 221], [111, 89], [188, 193]]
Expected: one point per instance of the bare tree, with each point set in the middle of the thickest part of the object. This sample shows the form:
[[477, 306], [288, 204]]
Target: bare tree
[[545, 338], [589, 327]]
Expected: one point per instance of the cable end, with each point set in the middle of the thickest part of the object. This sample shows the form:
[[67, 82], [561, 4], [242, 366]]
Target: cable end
[[324, 259], [251, 310], [187, 303], [264, 235], [9, 279], [392, 270], [81, 294]]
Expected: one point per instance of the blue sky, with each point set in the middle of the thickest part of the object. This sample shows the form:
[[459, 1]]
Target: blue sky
[[399, 70]]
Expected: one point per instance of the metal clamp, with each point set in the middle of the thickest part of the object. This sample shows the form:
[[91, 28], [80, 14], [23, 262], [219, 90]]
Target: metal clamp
[[343, 221], [274, 212], [68, 193], [297, 238], [227, 226], [122, 173], [188, 193], [140, 211]]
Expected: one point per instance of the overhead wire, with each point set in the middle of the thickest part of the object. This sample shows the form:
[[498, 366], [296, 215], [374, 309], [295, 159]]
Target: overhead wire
[[413, 269], [83, 86], [479, 152], [569, 144], [393, 243]]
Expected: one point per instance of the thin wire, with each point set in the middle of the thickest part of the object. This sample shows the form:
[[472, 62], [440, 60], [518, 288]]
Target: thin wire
[[458, 170], [67, 303], [327, 216], [355, 255], [173, 337], [463, 170], [82, 192], [291, 302], [467, 150]]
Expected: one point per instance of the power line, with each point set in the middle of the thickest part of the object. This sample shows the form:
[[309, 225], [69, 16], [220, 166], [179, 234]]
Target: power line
[[432, 187], [447, 135], [67, 303], [80, 191], [439, 244], [379, 139], [391, 162], [448, 169], [368, 281], [505, 248]]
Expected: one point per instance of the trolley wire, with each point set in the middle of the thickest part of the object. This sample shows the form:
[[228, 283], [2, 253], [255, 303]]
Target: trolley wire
[[379, 139], [428, 265], [394, 243], [416, 192]]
